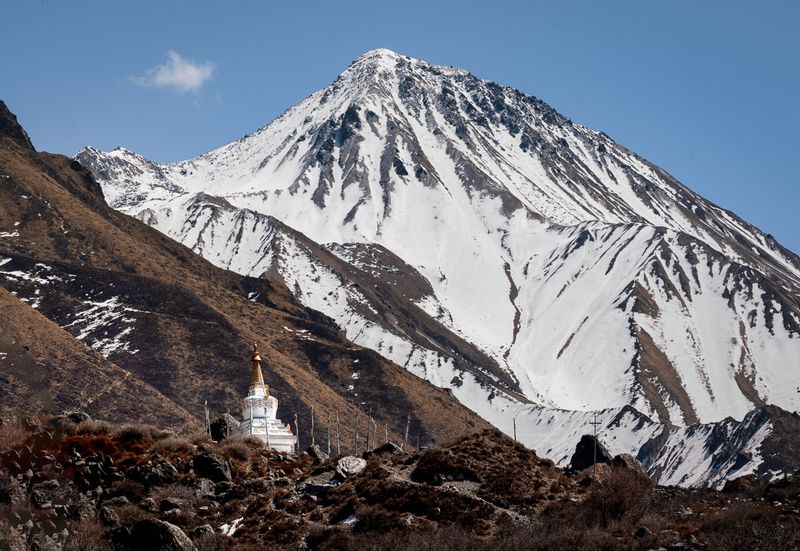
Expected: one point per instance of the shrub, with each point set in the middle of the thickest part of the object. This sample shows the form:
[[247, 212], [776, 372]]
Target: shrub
[[173, 444], [12, 434], [134, 433], [131, 514], [87, 535], [132, 490], [436, 466], [92, 427], [620, 492]]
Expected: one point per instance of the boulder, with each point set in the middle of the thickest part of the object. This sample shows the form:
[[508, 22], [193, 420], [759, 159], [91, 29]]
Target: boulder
[[583, 457], [159, 535], [212, 467], [149, 504], [385, 450], [201, 531], [203, 488], [317, 454], [627, 461], [160, 473], [119, 501], [349, 466], [172, 503], [108, 516]]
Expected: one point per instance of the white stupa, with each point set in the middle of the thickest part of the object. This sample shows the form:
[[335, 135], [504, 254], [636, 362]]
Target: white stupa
[[259, 410]]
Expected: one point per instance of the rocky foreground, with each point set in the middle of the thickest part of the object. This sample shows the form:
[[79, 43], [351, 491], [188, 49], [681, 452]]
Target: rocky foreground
[[72, 483]]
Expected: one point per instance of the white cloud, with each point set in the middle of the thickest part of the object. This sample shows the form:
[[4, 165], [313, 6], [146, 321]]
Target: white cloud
[[178, 74]]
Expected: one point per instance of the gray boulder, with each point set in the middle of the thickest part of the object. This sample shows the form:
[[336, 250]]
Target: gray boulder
[[349, 466], [212, 467], [158, 535]]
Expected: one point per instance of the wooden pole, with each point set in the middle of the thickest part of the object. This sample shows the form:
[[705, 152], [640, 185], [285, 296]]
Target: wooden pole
[[355, 436], [338, 442], [313, 442], [297, 430], [515, 430], [369, 422], [405, 438], [329, 435], [386, 432]]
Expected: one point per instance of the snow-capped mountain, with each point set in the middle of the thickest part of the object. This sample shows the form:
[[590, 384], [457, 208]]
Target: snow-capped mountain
[[485, 242]]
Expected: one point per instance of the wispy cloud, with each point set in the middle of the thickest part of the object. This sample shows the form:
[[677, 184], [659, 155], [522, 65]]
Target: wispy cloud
[[178, 74]]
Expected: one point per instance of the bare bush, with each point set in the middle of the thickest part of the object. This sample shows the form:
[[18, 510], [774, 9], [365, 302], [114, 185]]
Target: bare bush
[[91, 427], [172, 444], [621, 492], [12, 434], [87, 535]]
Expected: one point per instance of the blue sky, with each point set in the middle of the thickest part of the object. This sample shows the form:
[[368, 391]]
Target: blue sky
[[708, 90]]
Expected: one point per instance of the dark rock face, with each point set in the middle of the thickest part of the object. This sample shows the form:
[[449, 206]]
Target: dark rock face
[[11, 128], [224, 426], [159, 535], [212, 467], [583, 458]]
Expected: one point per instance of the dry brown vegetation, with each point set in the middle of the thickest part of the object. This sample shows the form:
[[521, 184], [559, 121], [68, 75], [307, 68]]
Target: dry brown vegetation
[[480, 492]]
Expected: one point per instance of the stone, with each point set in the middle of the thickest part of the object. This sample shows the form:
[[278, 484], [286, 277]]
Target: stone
[[746, 483], [317, 454], [201, 531], [212, 467], [642, 532], [627, 461], [159, 474], [204, 488], [583, 457], [119, 501], [258, 486], [149, 504], [387, 449], [172, 503], [83, 508], [108, 516], [349, 466], [159, 535]]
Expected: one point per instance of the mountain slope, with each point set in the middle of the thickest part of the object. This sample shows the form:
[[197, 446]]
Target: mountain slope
[[575, 275], [160, 317]]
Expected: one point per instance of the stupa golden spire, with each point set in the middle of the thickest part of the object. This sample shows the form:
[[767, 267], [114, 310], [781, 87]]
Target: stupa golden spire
[[256, 376]]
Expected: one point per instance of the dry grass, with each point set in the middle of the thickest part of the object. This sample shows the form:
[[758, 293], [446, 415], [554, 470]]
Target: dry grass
[[87, 535], [172, 444], [12, 434]]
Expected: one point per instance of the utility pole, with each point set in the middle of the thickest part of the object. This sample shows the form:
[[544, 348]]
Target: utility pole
[[594, 424], [329, 435], [405, 438], [515, 430]]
